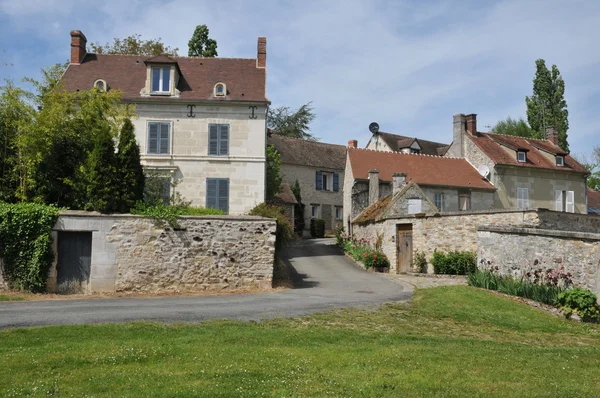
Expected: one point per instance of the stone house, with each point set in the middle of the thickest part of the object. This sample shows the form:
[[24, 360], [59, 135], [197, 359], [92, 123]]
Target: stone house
[[435, 184], [528, 173], [201, 121], [319, 169], [388, 142]]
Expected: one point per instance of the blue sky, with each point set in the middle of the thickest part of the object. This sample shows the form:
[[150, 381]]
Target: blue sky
[[409, 65]]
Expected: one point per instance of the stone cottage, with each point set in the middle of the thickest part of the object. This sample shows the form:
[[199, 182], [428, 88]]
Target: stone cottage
[[319, 169], [201, 121]]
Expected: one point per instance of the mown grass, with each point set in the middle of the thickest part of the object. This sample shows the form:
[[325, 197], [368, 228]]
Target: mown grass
[[11, 297], [449, 341]]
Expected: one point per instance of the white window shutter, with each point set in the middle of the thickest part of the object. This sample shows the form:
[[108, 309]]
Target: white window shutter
[[558, 202], [414, 206], [570, 203]]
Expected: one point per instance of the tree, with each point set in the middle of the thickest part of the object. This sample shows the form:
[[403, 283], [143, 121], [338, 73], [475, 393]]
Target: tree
[[547, 106], [283, 121], [511, 126], [200, 45], [592, 163], [50, 78], [102, 175], [298, 209], [134, 45], [131, 173], [273, 173]]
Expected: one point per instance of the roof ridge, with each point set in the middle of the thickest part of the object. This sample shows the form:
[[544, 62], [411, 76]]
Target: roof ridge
[[302, 139], [515, 136], [416, 138], [403, 153], [170, 56]]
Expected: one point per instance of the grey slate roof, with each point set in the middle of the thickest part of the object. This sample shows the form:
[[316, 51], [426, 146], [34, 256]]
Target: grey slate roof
[[309, 153], [427, 147]]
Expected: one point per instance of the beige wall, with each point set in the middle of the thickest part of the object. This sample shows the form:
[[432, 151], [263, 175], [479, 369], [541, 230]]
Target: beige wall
[[189, 160], [480, 200], [327, 200], [377, 144]]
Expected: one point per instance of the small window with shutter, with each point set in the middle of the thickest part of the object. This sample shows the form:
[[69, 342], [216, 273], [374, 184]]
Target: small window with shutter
[[217, 193], [218, 139], [522, 197], [159, 138]]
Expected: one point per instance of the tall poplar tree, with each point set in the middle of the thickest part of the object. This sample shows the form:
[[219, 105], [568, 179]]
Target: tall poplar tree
[[131, 173], [200, 45], [547, 106]]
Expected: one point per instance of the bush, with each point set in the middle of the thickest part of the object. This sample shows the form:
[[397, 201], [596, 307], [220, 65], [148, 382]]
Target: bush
[[162, 212], [285, 230], [580, 301], [420, 262], [374, 258], [454, 262], [317, 228], [26, 244], [340, 235]]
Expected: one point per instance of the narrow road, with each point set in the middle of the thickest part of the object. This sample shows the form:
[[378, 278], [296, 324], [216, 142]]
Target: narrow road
[[323, 279]]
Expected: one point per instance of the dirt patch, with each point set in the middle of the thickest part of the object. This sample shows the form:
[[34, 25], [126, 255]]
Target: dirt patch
[[422, 281]]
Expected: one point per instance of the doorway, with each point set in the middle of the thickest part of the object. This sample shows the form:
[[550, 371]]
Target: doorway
[[404, 248], [74, 262]]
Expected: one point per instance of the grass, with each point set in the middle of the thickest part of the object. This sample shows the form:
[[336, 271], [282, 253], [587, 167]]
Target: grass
[[11, 297], [449, 341]]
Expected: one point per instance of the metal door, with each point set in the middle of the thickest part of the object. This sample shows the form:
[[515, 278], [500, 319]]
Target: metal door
[[74, 262], [404, 248]]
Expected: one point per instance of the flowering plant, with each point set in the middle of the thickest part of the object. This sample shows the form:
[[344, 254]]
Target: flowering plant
[[375, 258]]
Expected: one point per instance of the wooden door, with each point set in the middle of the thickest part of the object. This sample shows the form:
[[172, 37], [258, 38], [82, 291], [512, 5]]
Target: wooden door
[[404, 248], [74, 262]]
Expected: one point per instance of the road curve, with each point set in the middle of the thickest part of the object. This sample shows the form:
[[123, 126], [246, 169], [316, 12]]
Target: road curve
[[323, 279]]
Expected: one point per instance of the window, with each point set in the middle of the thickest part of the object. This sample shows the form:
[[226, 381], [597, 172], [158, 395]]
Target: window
[[325, 181], [439, 201], [100, 85], [339, 213], [521, 156], [217, 193], [564, 201], [414, 206], [157, 188], [220, 89], [560, 161], [218, 139], [522, 198], [314, 211], [159, 138], [161, 80], [464, 201]]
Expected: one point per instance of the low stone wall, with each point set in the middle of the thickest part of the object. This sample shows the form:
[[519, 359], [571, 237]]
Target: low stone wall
[[568, 221], [516, 251], [134, 254]]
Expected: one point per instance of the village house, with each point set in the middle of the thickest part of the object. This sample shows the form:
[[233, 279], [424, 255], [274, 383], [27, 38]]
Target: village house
[[319, 170], [201, 121], [593, 202], [387, 142]]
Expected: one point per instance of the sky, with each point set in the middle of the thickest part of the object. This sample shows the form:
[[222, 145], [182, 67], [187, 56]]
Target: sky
[[408, 65]]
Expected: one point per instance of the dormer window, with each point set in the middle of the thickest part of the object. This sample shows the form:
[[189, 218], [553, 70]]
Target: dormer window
[[161, 80], [521, 156], [100, 85], [220, 90], [560, 160]]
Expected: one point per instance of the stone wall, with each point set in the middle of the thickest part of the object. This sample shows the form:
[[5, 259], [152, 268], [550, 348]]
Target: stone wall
[[134, 254], [569, 221], [517, 251]]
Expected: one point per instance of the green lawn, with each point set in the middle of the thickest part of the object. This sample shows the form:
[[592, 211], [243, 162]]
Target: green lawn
[[450, 341]]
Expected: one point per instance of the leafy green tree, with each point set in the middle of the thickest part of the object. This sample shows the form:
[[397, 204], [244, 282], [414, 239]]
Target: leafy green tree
[[273, 172], [286, 122], [298, 209], [592, 163], [102, 174], [547, 106], [134, 45], [519, 127], [50, 79], [200, 45], [131, 173]]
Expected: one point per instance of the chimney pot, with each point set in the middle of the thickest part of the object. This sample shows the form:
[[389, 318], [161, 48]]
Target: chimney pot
[[398, 182], [552, 134], [353, 144], [261, 53], [373, 186], [471, 123], [78, 45]]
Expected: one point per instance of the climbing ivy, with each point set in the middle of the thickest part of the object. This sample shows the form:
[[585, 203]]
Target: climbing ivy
[[26, 244]]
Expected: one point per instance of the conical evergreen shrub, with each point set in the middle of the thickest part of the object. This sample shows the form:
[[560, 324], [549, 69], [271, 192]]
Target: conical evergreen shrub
[[131, 173], [102, 174]]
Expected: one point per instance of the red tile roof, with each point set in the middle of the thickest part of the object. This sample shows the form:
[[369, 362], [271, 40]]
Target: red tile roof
[[244, 81], [492, 145], [422, 169], [593, 199]]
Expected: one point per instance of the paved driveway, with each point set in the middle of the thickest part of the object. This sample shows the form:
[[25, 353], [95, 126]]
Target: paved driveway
[[323, 279]]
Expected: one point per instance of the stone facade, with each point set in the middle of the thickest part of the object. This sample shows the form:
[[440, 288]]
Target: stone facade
[[188, 161], [135, 254], [517, 251]]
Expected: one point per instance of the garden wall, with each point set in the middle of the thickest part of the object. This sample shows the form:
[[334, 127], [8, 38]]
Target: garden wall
[[133, 254], [517, 250]]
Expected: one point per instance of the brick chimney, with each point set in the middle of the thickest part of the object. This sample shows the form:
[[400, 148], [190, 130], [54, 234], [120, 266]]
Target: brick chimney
[[353, 144], [78, 43], [373, 186], [261, 55], [471, 123], [398, 182], [552, 134]]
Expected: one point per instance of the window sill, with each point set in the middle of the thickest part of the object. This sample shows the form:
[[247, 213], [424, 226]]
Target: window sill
[[161, 93]]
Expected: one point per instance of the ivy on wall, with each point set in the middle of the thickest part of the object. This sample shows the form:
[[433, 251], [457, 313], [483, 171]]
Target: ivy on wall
[[26, 244]]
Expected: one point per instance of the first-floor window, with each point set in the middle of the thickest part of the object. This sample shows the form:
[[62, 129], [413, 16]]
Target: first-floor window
[[522, 198], [217, 193], [159, 137], [439, 201], [338, 213], [564, 201], [314, 211], [464, 201], [414, 206], [157, 188]]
